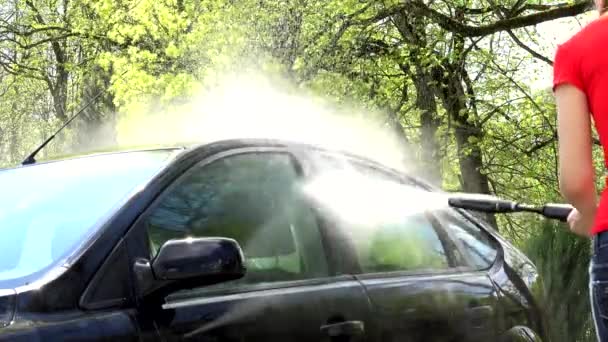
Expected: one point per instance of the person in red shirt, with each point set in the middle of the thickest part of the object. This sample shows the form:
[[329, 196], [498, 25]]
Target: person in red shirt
[[580, 85]]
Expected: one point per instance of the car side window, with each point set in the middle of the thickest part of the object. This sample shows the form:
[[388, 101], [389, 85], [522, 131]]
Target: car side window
[[255, 199], [409, 244], [477, 246], [385, 235]]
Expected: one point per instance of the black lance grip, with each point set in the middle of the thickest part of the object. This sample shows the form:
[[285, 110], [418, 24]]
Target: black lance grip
[[557, 211]]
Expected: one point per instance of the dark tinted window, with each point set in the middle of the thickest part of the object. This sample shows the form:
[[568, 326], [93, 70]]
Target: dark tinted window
[[255, 199], [405, 245], [388, 233], [477, 246]]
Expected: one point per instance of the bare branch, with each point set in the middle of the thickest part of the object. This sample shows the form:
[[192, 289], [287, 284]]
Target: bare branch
[[40, 42], [455, 26], [541, 145], [551, 140], [530, 50]]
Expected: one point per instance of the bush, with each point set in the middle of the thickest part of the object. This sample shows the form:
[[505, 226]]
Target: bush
[[563, 260]]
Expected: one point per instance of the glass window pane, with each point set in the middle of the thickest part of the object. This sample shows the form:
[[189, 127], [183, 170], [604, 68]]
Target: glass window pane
[[254, 199], [383, 217], [406, 245], [49, 210], [473, 241]]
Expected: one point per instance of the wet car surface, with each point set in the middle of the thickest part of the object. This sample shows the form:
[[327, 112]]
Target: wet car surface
[[238, 241]]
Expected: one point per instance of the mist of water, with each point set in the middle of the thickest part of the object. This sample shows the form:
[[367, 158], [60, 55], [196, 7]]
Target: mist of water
[[366, 202], [245, 309], [255, 106]]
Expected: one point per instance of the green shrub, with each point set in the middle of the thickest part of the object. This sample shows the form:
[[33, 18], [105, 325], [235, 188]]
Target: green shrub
[[563, 260]]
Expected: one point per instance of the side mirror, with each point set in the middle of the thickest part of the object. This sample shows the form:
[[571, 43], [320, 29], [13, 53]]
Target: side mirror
[[188, 263], [199, 258]]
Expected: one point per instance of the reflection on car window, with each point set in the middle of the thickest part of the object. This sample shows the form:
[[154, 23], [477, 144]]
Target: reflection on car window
[[55, 207], [406, 245], [473, 241], [384, 218], [254, 199]]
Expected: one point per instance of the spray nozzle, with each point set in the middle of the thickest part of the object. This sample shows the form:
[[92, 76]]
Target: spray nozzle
[[484, 205], [496, 206]]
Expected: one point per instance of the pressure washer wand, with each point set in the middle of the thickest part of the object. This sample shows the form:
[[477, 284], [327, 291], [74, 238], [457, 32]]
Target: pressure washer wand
[[496, 206]]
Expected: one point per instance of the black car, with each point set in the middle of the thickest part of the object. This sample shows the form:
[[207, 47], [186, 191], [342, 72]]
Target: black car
[[250, 240]]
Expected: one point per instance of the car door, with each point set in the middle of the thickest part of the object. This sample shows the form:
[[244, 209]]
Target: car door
[[481, 260], [418, 290], [519, 311], [420, 285], [291, 292]]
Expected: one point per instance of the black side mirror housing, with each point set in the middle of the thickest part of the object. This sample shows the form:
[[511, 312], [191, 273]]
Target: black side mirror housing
[[188, 263]]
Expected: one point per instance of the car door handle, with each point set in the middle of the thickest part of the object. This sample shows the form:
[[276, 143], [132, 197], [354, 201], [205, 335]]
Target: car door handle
[[347, 328]]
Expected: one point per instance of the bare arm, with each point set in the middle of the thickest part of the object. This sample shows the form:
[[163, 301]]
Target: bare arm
[[576, 171]]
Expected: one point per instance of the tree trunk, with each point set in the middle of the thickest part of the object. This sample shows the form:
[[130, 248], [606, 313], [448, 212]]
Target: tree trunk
[[394, 122], [409, 28], [468, 134], [13, 140], [60, 94], [57, 82], [96, 128], [429, 124]]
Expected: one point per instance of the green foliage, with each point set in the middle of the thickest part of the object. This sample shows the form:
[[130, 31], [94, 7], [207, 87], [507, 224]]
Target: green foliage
[[562, 260]]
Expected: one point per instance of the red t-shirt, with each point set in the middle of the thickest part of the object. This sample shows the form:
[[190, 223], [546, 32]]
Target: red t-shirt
[[583, 62]]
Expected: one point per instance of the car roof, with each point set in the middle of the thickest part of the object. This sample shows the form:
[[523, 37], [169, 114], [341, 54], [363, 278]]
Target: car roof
[[194, 147]]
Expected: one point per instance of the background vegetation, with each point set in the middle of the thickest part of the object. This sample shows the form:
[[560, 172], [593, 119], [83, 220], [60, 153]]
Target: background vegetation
[[453, 80]]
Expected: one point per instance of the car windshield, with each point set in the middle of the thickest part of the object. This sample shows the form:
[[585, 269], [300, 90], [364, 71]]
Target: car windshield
[[48, 210]]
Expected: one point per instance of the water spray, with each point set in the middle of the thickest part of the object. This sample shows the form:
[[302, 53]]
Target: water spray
[[499, 206]]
